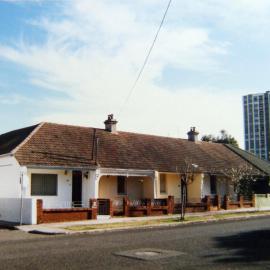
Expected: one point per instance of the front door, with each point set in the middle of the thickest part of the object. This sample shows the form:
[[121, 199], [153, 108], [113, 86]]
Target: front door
[[77, 188]]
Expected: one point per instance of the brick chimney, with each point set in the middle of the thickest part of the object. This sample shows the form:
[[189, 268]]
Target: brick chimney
[[110, 124], [193, 135]]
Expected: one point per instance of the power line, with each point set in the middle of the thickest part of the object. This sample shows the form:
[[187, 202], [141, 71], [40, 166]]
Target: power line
[[146, 58]]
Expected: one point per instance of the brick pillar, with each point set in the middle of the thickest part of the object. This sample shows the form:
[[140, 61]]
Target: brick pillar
[[93, 206], [93, 203], [253, 203], [170, 204], [39, 211], [126, 207], [208, 202], [111, 208], [218, 204], [148, 207], [226, 202], [94, 213], [241, 201]]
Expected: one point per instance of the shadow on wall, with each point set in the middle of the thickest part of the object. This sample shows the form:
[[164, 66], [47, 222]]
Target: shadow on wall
[[253, 246]]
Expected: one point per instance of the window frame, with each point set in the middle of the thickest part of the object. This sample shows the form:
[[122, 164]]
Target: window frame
[[162, 177], [43, 182]]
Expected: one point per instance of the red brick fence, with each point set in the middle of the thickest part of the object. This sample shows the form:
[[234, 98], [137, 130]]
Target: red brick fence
[[135, 208], [148, 207], [63, 214], [241, 202], [217, 202]]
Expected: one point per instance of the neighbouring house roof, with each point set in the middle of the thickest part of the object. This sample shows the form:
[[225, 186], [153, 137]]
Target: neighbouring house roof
[[49, 144], [10, 140], [261, 164]]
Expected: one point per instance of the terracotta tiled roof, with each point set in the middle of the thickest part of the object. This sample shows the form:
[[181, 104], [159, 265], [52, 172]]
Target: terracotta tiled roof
[[72, 146], [58, 145]]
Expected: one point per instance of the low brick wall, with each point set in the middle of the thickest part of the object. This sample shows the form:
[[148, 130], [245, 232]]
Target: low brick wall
[[150, 208], [216, 203], [61, 215], [144, 211], [240, 203], [190, 208]]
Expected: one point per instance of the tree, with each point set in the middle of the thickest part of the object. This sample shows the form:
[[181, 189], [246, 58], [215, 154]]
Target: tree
[[224, 137], [186, 177], [242, 178]]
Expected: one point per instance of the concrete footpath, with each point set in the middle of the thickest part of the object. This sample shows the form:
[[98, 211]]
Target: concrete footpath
[[60, 228]]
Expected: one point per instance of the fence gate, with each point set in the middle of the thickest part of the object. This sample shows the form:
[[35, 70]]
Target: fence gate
[[103, 206]]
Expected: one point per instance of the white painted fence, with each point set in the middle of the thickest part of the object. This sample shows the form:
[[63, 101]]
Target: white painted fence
[[262, 200], [10, 210]]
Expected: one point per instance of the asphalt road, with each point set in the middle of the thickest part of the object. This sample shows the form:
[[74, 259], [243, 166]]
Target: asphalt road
[[223, 245]]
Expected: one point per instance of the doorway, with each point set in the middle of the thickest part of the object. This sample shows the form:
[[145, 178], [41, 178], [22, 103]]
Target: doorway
[[77, 189]]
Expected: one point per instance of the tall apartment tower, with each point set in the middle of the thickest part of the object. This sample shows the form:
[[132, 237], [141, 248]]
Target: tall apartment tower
[[256, 124]]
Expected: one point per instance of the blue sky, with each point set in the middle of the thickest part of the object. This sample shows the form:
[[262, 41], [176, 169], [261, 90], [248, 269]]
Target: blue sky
[[75, 61]]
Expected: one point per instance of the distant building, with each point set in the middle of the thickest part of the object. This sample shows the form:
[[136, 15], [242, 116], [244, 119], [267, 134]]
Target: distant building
[[256, 124]]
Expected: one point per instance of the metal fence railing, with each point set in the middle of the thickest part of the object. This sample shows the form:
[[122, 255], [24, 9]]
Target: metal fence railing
[[63, 204], [158, 202], [137, 203]]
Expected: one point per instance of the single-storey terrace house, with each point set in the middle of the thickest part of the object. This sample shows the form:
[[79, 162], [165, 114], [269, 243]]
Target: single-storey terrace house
[[68, 167]]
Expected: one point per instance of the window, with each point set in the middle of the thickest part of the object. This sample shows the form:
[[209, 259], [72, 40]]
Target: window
[[162, 183], [213, 184], [44, 184], [121, 185]]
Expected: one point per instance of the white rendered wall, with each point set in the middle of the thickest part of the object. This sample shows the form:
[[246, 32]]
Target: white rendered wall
[[108, 187], [148, 188], [10, 210], [93, 184], [88, 187], [222, 186], [9, 177], [172, 186], [194, 189], [262, 201], [63, 199], [206, 188], [135, 188]]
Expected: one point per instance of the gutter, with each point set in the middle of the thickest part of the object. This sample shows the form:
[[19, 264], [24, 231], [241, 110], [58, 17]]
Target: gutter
[[126, 172], [60, 167]]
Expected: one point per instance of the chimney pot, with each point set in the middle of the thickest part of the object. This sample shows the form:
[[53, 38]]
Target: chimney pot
[[193, 135], [110, 124]]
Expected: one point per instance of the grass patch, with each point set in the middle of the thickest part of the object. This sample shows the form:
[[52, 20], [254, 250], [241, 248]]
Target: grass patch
[[244, 214], [134, 224], [131, 224]]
